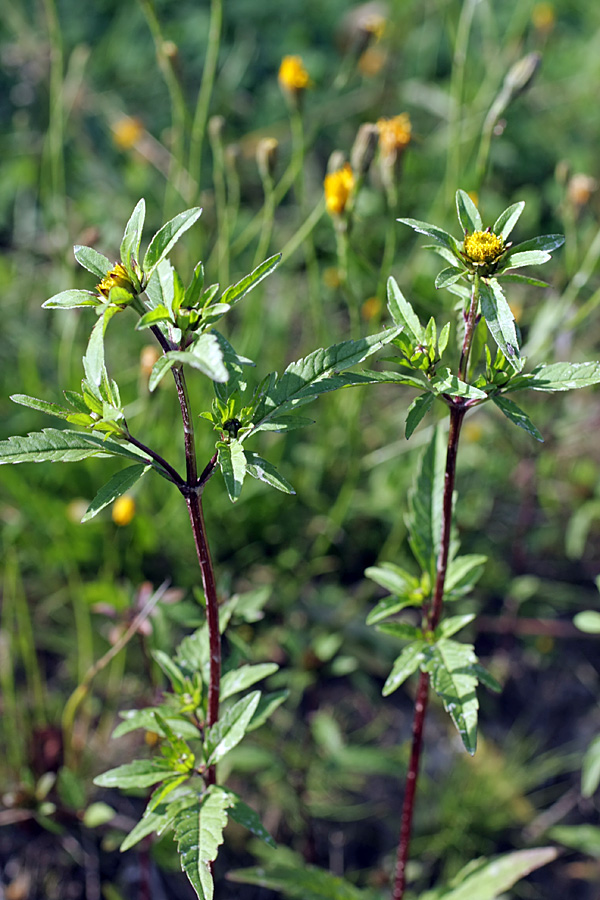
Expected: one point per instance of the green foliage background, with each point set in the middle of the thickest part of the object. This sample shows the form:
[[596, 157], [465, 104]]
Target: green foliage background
[[67, 79]]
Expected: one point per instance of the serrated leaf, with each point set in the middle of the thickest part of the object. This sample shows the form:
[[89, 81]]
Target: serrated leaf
[[450, 666], [72, 300], [493, 877], [452, 624], [507, 219], [232, 461], [438, 234], [425, 505], [199, 834], [235, 293], [93, 261], [448, 276], [560, 377], [516, 415], [226, 734], [402, 313], [468, 214], [245, 816], [137, 774], [165, 239], [115, 487], [206, 355], [391, 605], [265, 471], [284, 423], [130, 245], [41, 405], [590, 769], [411, 378], [499, 319], [239, 679], [53, 445], [448, 383], [486, 679], [318, 373], [408, 662], [302, 882]]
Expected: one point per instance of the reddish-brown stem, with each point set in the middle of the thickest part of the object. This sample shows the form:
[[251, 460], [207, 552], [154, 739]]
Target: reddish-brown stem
[[411, 785]]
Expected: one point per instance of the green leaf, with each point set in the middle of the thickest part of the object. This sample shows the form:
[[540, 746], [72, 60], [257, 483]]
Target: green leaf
[[584, 838], [447, 383], [410, 377], [562, 376], [265, 471], [235, 293], [438, 234], [408, 662], [402, 313], [487, 680], [52, 445], [317, 373], [524, 279], [172, 671], [448, 276], [98, 814], [517, 416], [452, 624], [160, 289], [393, 578], [41, 405], [267, 705], [137, 774], [232, 461], [93, 261], [239, 679], [93, 361], [206, 355], [425, 505], [145, 718], [226, 734], [402, 630], [199, 834], [590, 770], [499, 319], [152, 821], [493, 877], [119, 484], [450, 665], [284, 423], [588, 621], [130, 245], [544, 242], [391, 605], [462, 574], [528, 258], [468, 214], [160, 368], [301, 882], [417, 410], [507, 220], [160, 313], [72, 300], [245, 816], [195, 287], [165, 239]]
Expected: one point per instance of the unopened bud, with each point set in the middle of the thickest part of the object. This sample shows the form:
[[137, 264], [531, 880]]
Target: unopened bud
[[363, 149], [521, 74], [216, 124], [266, 157]]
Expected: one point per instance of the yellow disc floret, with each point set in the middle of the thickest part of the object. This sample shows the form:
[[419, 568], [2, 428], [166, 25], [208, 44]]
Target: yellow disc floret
[[117, 277], [394, 135], [483, 247], [338, 188]]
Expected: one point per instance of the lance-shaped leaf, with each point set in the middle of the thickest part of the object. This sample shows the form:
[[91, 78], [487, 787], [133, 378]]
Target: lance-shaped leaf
[[160, 313], [245, 816], [404, 631], [199, 834], [402, 313], [447, 383], [438, 234], [239, 679], [523, 279], [450, 666], [462, 575], [590, 769], [448, 276], [425, 505], [393, 578], [93, 361], [267, 705], [527, 258], [226, 734], [417, 410], [164, 240], [130, 245], [232, 461], [53, 445], [494, 877], [263, 470], [500, 320], [389, 606], [517, 416], [544, 242], [93, 261], [284, 423], [301, 882], [72, 300], [411, 658], [152, 822], [507, 220], [452, 624], [318, 373], [42, 406], [561, 376], [115, 487], [206, 355], [137, 774], [235, 293], [468, 214], [145, 718], [411, 378]]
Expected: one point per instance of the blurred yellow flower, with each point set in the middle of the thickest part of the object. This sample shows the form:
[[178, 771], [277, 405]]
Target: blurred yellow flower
[[580, 188], [394, 136], [293, 77], [370, 308], [117, 277], [148, 356], [372, 61], [543, 17], [338, 188], [331, 277], [127, 131], [123, 510]]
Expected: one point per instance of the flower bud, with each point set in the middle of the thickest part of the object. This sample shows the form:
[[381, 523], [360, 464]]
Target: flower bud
[[363, 149]]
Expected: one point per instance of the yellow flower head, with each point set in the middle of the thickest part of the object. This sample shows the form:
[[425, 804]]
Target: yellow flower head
[[123, 510], [394, 136], [543, 17], [127, 131], [293, 77], [338, 188], [116, 278], [483, 247]]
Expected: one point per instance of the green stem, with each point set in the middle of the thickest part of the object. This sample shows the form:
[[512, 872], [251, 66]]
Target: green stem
[[55, 138], [456, 98], [206, 88]]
